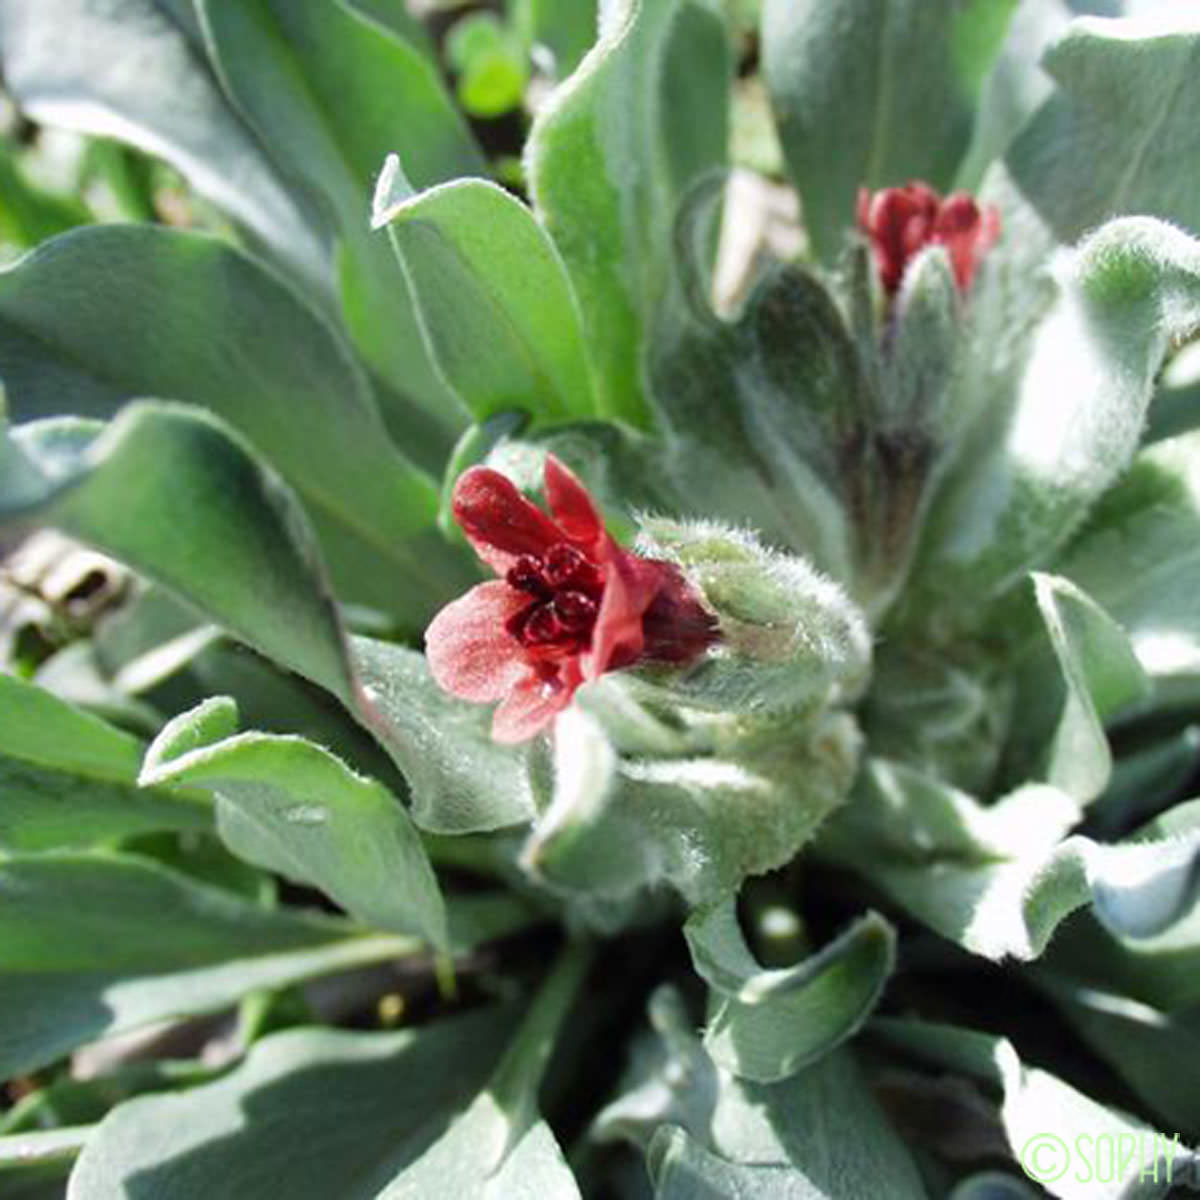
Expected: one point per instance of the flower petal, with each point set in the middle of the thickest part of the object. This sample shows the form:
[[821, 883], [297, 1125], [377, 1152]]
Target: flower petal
[[470, 653], [570, 504], [499, 522], [630, 584], [533, 704]]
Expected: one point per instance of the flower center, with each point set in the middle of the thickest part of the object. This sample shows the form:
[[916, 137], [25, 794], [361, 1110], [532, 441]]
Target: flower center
[[565, 588]]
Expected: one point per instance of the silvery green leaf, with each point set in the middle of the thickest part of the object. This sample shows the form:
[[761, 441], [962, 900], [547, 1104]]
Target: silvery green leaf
[[817, 1134], [999, 880], [791, 639], [947, 714], [766, 1025], [68, 778], [1143, 1045], [123, 69], [874, 95], [1046, 1120], [460, 780], [1112, 136], [1145, 781], [483, 272], [1139, 557], [333, 93], [200, 323], [499, 1147], [288, 805], [1068, 428], [174, 493], [335, 1113], [758, 409], [700, 823], [611, 154], [1087, 675]]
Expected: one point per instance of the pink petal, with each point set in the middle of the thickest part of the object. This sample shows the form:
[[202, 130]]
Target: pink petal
[[470, 653], [570, 503], [499, 522], [630, 584], [533, 704]]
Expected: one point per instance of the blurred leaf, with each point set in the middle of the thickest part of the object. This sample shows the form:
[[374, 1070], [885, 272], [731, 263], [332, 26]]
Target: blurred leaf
[[871, 95], [124, 69], [36, 1164], [706, 1134], [199, 322], [91, 945], [1112, 136], [461, 781], [998, 880], [333, 94], [67, 778], [310, 1114], [483, 273], [394, 16], [289, 806], [1070, 425], [490, 63], [175, 494], [766, 1025], [567, 28], [30, 213], [609, 158]]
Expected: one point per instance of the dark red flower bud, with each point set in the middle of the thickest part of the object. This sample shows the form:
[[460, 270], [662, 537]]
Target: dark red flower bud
[[901, 222]]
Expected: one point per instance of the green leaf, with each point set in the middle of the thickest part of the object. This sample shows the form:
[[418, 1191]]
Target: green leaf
[[636, 803], [483, 273], [1139, 556], [35, 1165], [490, 62], [499, 1147], [1113, 134], [1094, 675], [200, 323], [1144, 1045], [67, 778], [873, 95], [333, 1114], [461, 781], [122, 68], [765, 1025], [818, 1134], [97, 945], [567, 28], [1038, 1108], [172, 492], [998, 880], [333, 94], [292, 807], [759, 409], [609, 158], [31, 213], [1066, 429]]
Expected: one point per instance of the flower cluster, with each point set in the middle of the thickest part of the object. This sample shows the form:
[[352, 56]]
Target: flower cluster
[[569, 605], [901, 222]]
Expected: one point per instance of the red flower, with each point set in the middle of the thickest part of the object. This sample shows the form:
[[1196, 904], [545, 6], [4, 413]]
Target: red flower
[[569, 605], [902, 221]]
